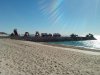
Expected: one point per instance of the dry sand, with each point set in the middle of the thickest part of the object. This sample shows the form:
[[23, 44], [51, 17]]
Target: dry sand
[[30, 58]]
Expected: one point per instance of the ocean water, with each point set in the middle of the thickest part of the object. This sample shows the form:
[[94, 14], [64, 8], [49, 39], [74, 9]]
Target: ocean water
[[90, 44]]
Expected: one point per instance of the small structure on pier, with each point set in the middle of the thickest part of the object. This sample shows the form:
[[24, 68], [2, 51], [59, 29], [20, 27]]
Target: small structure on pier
[[73, 35], [56, 35], [89, 36], [46, 35], [26, 34], [37, 34]]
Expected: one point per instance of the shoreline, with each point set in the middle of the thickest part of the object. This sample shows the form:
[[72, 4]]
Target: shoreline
[[73, 47], [61, 46]]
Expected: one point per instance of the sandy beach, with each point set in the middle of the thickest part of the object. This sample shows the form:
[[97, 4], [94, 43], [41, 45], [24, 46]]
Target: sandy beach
[[30, 58]]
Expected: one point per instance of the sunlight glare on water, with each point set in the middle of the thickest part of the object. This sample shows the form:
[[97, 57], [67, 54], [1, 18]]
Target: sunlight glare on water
[[90, 44]]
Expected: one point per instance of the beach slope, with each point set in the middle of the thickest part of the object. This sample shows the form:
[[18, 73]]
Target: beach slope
[[30, 58]]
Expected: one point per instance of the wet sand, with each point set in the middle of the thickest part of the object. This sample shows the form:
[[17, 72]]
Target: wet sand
[[30, 58]]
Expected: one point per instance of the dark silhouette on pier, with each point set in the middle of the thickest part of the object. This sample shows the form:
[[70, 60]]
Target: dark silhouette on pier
[[14, 34], [26, 34]]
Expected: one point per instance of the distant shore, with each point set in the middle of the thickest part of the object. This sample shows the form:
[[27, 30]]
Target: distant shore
[[30, 58]]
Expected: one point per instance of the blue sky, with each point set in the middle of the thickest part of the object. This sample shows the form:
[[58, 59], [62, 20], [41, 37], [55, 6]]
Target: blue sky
[[51, 16]]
